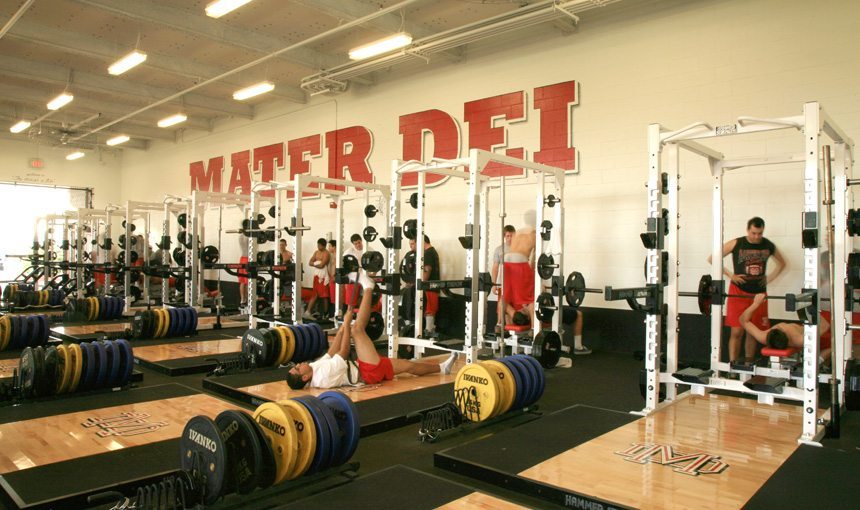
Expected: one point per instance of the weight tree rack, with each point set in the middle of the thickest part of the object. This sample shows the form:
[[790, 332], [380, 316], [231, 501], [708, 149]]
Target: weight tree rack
[[662, 244]]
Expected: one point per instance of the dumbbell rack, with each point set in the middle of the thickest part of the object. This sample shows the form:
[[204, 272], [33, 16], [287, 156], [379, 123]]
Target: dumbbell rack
[[662, 245]]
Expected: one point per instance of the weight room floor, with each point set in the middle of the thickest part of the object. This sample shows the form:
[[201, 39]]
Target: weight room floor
[[605, 380]]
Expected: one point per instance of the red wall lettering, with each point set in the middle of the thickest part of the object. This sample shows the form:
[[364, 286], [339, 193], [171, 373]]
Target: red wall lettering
[[207, 178], [480, 115], [348, 150], [241, 175], [446, 140], [267, 159], [300, 151], [554, 102]]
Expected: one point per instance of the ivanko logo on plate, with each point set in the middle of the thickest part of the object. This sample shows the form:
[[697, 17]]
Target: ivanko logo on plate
[[693, 464]]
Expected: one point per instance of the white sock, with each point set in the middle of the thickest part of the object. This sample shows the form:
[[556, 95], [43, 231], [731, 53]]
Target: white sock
[[431, 323], [445, 366], [365, 281], [577, 342]]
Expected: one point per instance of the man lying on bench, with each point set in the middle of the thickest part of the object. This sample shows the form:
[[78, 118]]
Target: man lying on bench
[[784, 335], [333, 369]]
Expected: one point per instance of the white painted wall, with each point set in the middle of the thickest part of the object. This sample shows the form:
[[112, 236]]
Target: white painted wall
[[672, 62]]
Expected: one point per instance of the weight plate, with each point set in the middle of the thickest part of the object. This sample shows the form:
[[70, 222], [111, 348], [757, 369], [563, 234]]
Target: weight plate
[[540, 377], [310, 342], [328, 434], [476, 393], [346, 416], [186, 322], [280, 346], [64, 369], [24, 331], [268, 467], [49, 381], [505, 382], [102, 308], [126, 366], [254, 344], [308, 436], [85, 368], [114, 356], [5, 332], [46, 328], [39, 375], [194, 316], [171, 315], [291, 343], [137, 326], [527, 370], [34, 330], [76, 359], [201, 449], [243, 452], [27, 372], [278, 426], [100, 364], [516, 403], [272, 340]]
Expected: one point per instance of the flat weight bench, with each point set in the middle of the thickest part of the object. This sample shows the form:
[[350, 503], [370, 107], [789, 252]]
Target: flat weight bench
[[521, 337], [777, 356], [771, 384]]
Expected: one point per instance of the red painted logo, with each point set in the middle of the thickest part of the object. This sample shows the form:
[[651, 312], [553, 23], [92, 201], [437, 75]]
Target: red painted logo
[[693, 464]]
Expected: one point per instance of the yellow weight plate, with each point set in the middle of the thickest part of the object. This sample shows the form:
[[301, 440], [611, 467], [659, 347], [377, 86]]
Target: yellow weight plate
[[282, 338], [475, 392], [76, 360], [95, 308], [291, 343], [5, 332], [306, 434], [159, 322], [166, 321], [280, 430], [64, 369], [47, 295], [506, 383]]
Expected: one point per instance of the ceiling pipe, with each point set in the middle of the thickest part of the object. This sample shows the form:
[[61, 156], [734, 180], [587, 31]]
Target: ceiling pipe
[[15, 17], [309, 40]]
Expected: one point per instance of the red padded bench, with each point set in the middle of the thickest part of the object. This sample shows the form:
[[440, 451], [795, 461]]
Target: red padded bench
[[517, 329], [779, 353]]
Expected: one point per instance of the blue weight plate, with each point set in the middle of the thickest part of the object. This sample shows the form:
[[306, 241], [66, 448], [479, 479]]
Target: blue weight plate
[[322, 341], [346, 415], [88, 366], [524, 392], [323, 453], [194, 315], [101, 364], [109, 306], [188, 323], [114, 357], [171, 327], [518, 383], [15, 333], [541, 377], [113, 306], [126, 366], [301, 344], [310, 342], [102, 308], [46, 329], [34, 330], [181, 320], [530, 376]]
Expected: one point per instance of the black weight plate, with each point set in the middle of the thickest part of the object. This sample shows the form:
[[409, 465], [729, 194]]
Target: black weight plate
[[271, 338], [88, 366], [39, 362], [243, 452], [137, 326], [202, 450], [46, 329], [114, 356], [126, 366], [27, 371], [52, 362], [268, 468], [100, 364], [254, 344]]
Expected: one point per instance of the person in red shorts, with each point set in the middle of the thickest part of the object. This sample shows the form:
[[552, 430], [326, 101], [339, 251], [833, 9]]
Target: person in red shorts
[[333, 370], [518, 288], [242, 274], [319, 269], [750, 255], [785, 334], [430, 272]]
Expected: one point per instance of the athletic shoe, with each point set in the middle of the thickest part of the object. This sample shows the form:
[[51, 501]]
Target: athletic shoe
[[581, 351]]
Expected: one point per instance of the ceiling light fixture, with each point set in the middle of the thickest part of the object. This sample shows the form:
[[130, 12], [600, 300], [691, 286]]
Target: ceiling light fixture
[[381, 46], [253, 90], [60, 101], [21, 125], [118, 140], [127, 62], [75, 155], [172, 120], [219, 8]]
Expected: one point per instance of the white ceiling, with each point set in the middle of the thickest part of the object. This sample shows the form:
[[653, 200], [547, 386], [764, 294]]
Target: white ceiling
[[57, 45]]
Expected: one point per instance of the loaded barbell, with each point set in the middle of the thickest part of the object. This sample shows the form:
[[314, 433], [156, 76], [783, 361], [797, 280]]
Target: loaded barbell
[[708, 290]]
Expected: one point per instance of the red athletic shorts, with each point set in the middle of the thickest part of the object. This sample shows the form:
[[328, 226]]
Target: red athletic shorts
[[320, 288], [332, 290], [431, 302], [243, 276], [519, 288], [824, 343], [736, 306], [373, 374]]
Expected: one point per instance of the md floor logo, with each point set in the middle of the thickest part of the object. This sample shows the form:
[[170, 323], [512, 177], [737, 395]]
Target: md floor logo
[[124, 424], [693, 464]]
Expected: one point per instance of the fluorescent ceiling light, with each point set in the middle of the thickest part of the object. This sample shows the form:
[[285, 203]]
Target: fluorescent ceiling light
[[118, 140], [75, 155], [127, 62], [21, 125], [172, 120], [219, 8], [381, 46], [60, 101], [254, 90]]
